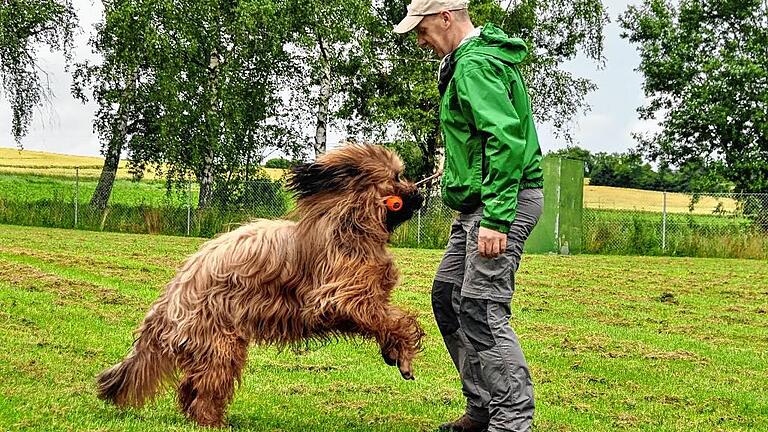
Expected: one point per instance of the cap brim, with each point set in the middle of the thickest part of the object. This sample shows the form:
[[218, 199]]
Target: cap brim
[[408, 23]]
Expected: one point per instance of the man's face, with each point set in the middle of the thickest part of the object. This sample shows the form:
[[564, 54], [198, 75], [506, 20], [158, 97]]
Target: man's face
[[432, 32]]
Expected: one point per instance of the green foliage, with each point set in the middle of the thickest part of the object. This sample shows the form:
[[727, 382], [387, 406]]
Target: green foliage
[[592, 328], [412, 157], [629, 170], [397, 90], [26, 26], [576, 153], [330, 44], [279, 163], [704, 63], [194, 85], [622, 170]]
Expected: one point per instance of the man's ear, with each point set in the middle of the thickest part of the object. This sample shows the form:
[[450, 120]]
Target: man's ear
[[447, 18]]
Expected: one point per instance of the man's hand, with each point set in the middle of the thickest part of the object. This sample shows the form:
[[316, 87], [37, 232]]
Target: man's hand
[[490, 243]]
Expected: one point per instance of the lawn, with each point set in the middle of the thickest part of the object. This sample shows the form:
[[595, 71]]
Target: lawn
[[614, 343]]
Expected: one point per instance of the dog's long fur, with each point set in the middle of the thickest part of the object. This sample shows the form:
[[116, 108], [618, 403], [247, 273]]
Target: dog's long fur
[[278, 282]]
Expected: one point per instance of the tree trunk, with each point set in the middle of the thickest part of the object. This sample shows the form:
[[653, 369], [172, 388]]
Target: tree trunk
[[321, 132], [118, 138], [103, 191], [206, 181], [205, 174]]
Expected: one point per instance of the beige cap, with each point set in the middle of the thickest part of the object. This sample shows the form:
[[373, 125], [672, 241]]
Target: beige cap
[[418, 9]]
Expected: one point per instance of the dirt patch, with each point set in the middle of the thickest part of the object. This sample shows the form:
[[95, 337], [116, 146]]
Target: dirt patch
[[676, 355], [668, 298], [135, 272], [66, 291], [602, 346], [625, 421]]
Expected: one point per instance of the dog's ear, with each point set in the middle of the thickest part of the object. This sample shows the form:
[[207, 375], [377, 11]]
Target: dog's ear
[[312, 178]]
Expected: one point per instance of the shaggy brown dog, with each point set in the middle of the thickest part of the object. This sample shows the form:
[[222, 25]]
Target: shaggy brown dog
[[279, 282]]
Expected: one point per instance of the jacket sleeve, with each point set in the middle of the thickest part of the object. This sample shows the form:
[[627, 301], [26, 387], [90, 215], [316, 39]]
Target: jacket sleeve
[[483, 94]]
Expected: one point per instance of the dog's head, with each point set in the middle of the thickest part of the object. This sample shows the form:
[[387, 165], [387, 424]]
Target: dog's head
[[358, 177]]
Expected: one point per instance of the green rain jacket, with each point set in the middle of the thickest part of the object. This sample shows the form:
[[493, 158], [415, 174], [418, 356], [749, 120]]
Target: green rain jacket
[[491, 147]]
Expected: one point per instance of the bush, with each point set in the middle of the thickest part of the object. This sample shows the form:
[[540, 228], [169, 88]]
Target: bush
[[279, 163]]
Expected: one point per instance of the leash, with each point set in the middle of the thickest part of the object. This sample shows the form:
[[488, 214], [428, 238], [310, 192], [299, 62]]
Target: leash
[[395, 203], [428, 179]]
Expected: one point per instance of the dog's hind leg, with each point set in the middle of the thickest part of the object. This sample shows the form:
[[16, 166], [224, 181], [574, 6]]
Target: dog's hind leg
[[210, 375]]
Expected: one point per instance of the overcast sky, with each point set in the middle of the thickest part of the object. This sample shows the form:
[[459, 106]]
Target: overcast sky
[[66, 126]]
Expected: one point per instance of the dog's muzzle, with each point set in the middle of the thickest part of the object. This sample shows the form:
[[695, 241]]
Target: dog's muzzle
[[408, 203]]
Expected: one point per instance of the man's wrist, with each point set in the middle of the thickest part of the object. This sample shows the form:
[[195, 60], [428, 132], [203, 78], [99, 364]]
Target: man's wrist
[[502, 227]]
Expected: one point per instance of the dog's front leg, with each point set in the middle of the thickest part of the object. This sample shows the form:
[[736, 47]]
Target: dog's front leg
[[400, 345], [397, 333]]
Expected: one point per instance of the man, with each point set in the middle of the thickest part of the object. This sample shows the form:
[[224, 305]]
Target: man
[[494, 179]]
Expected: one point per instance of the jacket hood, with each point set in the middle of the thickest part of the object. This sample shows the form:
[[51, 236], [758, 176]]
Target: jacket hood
[[494, 42]]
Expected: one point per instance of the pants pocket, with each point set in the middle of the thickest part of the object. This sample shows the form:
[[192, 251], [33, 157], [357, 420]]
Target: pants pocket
[[486, 278]]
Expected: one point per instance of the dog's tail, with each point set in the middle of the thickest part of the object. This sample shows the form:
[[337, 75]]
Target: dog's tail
[[139, 376]]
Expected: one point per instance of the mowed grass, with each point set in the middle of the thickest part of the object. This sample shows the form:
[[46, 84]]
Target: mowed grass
[[614, 343]]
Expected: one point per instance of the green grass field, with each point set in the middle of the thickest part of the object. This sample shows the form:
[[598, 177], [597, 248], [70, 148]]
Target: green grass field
[[34, 187], [614, 343]]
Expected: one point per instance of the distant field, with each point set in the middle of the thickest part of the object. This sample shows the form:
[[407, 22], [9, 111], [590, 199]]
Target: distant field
[[612, 198], [614, 344], [13, 161]]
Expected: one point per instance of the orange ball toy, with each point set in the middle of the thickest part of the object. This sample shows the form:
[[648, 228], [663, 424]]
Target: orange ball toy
[[394, 203]]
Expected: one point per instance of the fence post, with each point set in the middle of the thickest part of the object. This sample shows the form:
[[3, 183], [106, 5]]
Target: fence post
[[77, 192], [664, 223], [418, 232], [189, 206]]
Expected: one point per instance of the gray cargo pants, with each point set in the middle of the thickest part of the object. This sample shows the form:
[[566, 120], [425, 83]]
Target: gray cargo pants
[[471, 298]]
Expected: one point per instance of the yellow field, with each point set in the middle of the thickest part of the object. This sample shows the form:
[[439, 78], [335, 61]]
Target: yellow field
[[604, 197], [14, 161]]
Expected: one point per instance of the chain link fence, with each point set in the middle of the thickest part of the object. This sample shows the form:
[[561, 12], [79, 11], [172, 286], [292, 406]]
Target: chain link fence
[[615, 220], [38, 198], [633, 222]]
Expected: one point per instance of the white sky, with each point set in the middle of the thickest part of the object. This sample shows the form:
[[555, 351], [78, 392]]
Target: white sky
[[66, 126]]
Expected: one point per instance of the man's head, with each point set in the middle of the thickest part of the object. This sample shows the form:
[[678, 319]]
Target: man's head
[[439, 24]]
